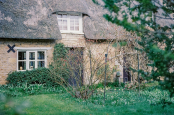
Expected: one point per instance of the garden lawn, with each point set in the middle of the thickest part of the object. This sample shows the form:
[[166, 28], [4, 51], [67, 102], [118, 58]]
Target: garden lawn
[[64, 104]]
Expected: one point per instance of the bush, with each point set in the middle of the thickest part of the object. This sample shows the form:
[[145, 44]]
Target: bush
[[60, 69], [113, 84], [36, 76]]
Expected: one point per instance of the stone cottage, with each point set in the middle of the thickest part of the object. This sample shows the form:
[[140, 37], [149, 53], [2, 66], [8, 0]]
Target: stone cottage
[[30, 29]]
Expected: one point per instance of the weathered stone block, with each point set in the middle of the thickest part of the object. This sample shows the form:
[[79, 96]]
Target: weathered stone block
[[12, 60]]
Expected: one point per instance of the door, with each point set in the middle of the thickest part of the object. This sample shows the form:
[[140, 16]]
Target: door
[[126, 74], [76, 63]]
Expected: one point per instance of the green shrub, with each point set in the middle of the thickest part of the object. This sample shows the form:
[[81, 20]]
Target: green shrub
[[36, 76], [60, 68], [122, 84], [113, 84], [100, 85]]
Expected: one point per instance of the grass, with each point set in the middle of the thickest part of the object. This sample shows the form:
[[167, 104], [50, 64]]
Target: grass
[[128, 102]]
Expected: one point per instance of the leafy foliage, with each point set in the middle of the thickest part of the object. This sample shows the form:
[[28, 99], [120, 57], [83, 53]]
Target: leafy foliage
[[59, 51], [59, 67], [157, 39], [117, 100], [123, 97], [36, 76]]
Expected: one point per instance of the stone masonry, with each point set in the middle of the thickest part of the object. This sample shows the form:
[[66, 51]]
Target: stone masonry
[[8, 61]]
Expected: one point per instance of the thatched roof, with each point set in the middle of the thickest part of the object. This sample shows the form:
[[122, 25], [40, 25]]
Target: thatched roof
[[162, 20], [67, 6], [28, 19], [95, 26], [36, 19]]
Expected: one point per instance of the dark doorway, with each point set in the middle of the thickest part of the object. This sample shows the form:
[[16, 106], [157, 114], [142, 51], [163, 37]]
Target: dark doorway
[[126, 74], [76, 62]]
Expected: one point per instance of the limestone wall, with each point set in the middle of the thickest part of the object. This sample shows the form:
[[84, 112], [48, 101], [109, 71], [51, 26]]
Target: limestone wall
[[98, 51], [73, 40], [8, 61]]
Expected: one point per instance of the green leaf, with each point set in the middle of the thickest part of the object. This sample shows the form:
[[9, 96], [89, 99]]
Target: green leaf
[[124, 43], [114, 45]]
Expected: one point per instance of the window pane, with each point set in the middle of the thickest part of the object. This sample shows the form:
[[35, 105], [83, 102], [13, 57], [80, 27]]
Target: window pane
[[64, 28], [22, 65], [40, 55], [72, 22], [21, 55], [77, 28], [77, 22], [64, 22], [59, 22], [31, 64], [64, 16], [72, 28], [59, 16], [32, 56], [60, 27], [41, 64], [74, 17]]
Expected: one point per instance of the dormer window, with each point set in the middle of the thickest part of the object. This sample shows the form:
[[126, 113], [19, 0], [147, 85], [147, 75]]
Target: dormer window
[[70, 23]]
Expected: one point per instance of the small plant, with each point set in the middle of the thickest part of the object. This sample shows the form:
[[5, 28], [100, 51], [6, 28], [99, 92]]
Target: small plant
[[162, 102], [130, 86], [31, 89], [113, 84]]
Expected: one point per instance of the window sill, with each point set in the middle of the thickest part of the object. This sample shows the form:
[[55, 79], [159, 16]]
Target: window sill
[[80, 33], [21, 70]]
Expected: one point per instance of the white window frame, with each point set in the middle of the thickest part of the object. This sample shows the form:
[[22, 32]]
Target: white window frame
[[28, 60], [27, 50], [68, 23]]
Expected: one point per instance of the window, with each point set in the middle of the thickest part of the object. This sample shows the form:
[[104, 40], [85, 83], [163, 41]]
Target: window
[[125, 79], [28, 60], [70, 23]]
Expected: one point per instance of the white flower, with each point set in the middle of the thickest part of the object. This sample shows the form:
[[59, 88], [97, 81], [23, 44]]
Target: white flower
[[113, 102]]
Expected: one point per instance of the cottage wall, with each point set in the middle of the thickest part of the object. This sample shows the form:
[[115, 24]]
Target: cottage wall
[[98, 51], [73, 40], [8, 61]]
